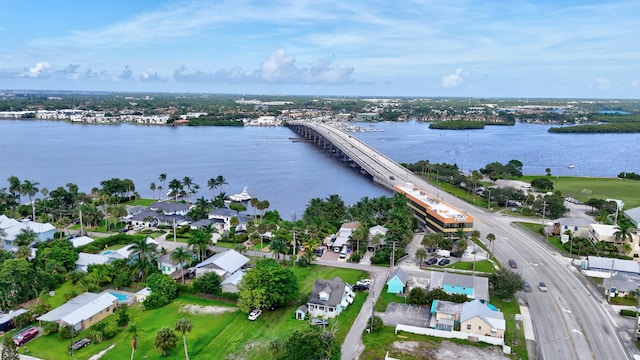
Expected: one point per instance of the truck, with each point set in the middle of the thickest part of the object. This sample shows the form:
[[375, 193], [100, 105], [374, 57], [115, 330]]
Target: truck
[[443, 253]]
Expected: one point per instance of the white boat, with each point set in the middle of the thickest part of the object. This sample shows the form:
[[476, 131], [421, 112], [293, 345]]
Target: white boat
[[571, 166], [243, 196]]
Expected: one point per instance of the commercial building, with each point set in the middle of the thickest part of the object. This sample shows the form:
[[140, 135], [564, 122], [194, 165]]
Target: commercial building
[[435, 213]]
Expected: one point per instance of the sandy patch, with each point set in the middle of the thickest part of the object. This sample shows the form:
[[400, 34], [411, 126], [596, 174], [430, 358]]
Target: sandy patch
[[101, 353], [198, 309], [447, 350]]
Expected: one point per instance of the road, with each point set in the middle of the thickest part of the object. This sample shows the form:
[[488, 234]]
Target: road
[[571, 320]]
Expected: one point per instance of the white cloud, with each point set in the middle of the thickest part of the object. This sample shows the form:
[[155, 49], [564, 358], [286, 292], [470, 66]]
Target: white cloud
[[602, 83], [150, 75], [39, 69], [453, 80]]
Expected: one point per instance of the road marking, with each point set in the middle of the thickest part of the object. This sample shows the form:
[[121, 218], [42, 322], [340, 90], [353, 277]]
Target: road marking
[[577, 331]]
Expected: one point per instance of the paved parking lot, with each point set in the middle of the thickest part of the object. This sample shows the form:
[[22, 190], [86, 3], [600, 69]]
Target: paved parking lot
[[406, 314]]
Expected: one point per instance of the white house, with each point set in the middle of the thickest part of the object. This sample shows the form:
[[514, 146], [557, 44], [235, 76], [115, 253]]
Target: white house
[[168, 266], [86, 259], [479, 319], [329, 298], [12, 227], [83, 310], [224, 264]]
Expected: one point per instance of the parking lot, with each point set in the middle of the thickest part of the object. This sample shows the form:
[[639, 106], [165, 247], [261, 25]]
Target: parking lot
[[407, 315]]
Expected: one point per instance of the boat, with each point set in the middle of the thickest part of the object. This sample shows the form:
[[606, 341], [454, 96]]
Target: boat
[[571, 166], [243, 196]]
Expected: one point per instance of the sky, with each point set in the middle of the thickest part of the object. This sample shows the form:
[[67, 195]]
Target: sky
[[422, 48]]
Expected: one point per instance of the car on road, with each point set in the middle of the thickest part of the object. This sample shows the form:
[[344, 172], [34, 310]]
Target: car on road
[[360, 287], [513, 264], [392, 177], [255, 314], [527, 287], [364, 282], [319, 252], [123, 230], [431, 261], [444, 262], [318, 322], [542, 286]]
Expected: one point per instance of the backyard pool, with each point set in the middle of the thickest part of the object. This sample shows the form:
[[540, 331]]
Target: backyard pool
[[107, 252], [122, 298]]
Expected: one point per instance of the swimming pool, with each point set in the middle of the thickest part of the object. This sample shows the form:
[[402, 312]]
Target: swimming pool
[[119, 296], [107, 252]]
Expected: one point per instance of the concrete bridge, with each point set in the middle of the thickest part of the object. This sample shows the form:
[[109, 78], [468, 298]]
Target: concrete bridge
[[353, 152]]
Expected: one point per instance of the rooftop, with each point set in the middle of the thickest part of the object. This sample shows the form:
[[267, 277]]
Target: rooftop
[[431, 202]]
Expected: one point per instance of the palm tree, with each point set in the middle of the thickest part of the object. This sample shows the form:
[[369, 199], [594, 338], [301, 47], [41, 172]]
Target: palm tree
[[153, 188], [25, 237], [14, 188], [146, 251], [421, 254], [623, 232], [163, 179], [187, 182], [491, 238], [220, 181], [212, 185], [200, 241], [278, 246], [180, 256], [184, 326], [30, 189], [165, 340], [175, 186]]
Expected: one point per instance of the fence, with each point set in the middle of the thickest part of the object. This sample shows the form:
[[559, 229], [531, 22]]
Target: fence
[[217, 297], [449, 334]]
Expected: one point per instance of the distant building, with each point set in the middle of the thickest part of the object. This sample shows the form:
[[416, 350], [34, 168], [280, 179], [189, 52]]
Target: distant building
[[12, 227]]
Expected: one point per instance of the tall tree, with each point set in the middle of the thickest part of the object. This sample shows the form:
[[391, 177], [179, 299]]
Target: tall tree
[[146, 251], [14, 188], [180, 256], [25, 237], [491, 238], [165, 340], [187, 182], [153, 188], [184, 325], [200, 241], [212, 185], [30, 189], [9, 350], [421, 254], [163, 180], [175, 186], [278, 246]]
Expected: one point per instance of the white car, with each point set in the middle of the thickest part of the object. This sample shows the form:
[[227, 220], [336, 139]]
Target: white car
[[255, 314], [542, 286], [364, 282]]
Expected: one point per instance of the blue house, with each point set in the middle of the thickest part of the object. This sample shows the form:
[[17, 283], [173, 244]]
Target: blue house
[[397, 281]]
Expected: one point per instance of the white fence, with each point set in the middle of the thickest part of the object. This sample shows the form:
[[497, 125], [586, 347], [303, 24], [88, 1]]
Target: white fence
[[449, 334]]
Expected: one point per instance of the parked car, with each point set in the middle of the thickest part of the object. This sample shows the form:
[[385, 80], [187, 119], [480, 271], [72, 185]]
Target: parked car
[[123, 230], [319, 252], [318, 322], [392, 177], [255, 314], [360, 287], [364, 282], [512, 264], [431, 261], [444, 262], [542, 286], [25, 336], [527, 287]]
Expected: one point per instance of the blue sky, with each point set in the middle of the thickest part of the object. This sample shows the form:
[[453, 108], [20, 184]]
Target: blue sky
[[526, 48]]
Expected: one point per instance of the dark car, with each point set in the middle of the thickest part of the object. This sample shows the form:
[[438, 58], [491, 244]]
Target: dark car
[[318, 252], [444, 262], [123, 230], [512, 264], [318, 322], [392, 177], [527, 287], [432, 261], [360, 287]]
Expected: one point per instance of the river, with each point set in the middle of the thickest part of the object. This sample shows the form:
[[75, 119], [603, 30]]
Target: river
[[272, 167]]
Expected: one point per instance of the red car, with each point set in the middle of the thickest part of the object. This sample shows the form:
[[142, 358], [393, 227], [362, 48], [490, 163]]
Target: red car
[[25, 336]]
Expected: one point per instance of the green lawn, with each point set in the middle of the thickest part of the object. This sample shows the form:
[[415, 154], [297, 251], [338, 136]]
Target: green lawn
[[482, 266], [513, 337], [600, 188], [212, 334], [386, 298], [140, 201]]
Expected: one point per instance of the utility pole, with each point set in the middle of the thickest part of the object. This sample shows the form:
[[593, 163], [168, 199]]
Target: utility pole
[[174, 231], [81, 225], [393, 255], [489, 203], [293, 251], [544, 225]]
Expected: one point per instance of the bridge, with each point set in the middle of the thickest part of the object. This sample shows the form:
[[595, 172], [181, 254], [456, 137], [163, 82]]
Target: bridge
[[428, 207]]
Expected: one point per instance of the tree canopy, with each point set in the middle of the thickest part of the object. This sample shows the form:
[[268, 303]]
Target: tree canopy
[[265, 285]]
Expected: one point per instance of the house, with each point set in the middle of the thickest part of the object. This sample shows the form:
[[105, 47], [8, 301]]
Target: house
[[602, 232], [378, 232], [230, 284], [148, 218], [621, 285], [605, 267], [217, 224], [301, 312], [142, 294], [225, 264], [329, 298], [634, 216], [479, 319], [445, 314], [11, 228], [397, 281], [344, 235], [86, 259], [80, 241], [579, 227], [474, 287], [226, 215], [83, 310], [168, 266], [170, 208]]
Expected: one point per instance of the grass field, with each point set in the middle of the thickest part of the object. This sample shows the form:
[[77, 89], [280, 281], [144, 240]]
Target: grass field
[[212, 336], [585, 188], [484, 266], [513, 337]]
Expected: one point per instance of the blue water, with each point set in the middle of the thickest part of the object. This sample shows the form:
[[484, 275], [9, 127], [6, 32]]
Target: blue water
[[287, 174], [106, 252], [613, 112], [121, 297], [492, 307]]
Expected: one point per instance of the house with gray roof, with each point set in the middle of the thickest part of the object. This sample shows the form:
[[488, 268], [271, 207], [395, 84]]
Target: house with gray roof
[[86, 259], [634, 216], [329, 298], [168, 266], [148, 218], [474, 287], [82, 311], [579, 227], [170, 208], [445, 314], [621, 284], [224, 264], [479, 319], [609, 266], [397, 281], [225, 215]]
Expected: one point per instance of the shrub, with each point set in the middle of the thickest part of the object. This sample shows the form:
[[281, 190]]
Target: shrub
[[123, 317], [355, 257], [376, 324], [625, 312], [50, 328], [209, 283]]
